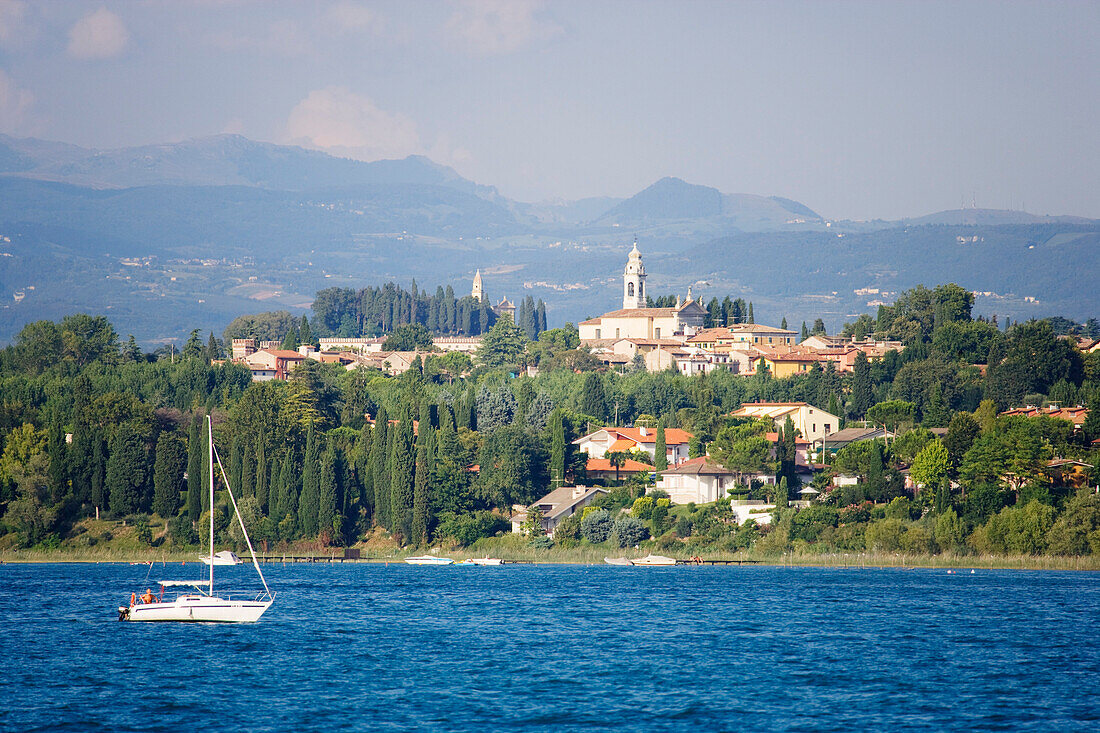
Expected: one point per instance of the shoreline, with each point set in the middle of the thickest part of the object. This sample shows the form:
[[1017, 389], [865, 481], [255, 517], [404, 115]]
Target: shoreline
[[588, 556]]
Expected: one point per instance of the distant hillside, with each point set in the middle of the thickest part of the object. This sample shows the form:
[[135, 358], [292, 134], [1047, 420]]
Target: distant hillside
[[165, 238]]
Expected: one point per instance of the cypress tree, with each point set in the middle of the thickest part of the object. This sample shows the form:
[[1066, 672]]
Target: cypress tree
[[99, 471], [57, 452], [127, 471], [557, 450], [421, 510], [540, 317], [783, 323], [782, 494], [194, 469], [379, 457], [288, 488], [326, 499], [308, 502], [751, 318], [168, 469], [248, 480], [660, 449], [863, 390], [304, 333], [805, 331], [363, 470], [235, 464], [401, 466], [261, 483], [593, 401]]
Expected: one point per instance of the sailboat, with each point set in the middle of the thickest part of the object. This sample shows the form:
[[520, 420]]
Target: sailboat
[[201, 604]]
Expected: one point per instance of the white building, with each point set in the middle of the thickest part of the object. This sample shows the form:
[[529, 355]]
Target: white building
[[607, 440], [812, 422]]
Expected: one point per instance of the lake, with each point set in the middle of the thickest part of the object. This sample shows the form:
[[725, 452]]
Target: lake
[[558, 647]]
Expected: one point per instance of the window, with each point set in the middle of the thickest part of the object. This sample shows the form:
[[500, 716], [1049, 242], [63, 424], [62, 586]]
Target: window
[[616, 333], [597, 333], [656, 333], [630, 289]]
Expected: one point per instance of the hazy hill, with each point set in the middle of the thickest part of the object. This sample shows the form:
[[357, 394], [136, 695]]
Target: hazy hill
[[167, 237]]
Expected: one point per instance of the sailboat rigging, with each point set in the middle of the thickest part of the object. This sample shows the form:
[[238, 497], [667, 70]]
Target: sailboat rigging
[[203, 605]]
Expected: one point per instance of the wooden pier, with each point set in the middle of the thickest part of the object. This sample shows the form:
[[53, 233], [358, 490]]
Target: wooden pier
[[726, 561]]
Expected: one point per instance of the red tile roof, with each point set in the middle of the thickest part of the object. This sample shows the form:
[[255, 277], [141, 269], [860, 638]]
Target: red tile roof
[[629, 465]]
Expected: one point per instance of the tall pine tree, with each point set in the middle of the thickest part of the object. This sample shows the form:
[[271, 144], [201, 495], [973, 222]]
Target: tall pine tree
[[308, 502], [327, 523], [194, 468], [421, 511], [379, 464], [168, 469]]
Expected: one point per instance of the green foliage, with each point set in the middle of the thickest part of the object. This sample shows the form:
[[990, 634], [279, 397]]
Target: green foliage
[[596, 526], [930, 466], [466, 529], [168, 470], [408, 337], [502, 345], [627, 531]]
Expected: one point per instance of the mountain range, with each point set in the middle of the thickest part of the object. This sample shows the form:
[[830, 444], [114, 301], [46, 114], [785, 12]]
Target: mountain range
[[165, 238]]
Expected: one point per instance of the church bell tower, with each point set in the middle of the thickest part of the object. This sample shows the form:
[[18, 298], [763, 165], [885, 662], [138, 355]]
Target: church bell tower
[[634, 280]]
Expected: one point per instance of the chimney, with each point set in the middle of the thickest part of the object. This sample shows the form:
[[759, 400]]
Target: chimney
[[642, 430]]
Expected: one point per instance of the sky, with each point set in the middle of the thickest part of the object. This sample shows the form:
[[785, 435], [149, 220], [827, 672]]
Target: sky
[[859, 110]]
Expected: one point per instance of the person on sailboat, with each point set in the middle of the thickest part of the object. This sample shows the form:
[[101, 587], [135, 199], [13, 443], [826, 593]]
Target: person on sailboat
[[148, 596]]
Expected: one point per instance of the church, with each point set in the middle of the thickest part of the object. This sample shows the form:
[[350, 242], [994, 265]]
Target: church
[[634, 320]]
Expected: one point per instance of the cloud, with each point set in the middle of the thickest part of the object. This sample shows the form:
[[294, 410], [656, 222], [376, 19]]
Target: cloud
[[98, 35], [492, 27], [13, 13], [15, 106], [281, 38], [350, 17], [344, 123]]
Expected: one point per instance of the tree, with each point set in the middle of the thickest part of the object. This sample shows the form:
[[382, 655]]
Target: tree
[[168, 471], [309, 501], [290, 340], [660, 449], [502, 345], [782, 494], [402, 465], [421, 516], [409, 337], [593, 401], [194, 469], [744, 448], [936, 413], [617, 459], [557, 450], [961, 432], [58, 454], [892, 414], [627, 531], [596, 526], [496, 408], [930, 467], [328, 522], [127, 471], [377, 465], [863, 391], [512, 463]]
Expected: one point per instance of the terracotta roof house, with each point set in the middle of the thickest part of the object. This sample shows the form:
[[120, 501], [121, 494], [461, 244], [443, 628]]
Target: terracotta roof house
[[601, 468], [597, 444]]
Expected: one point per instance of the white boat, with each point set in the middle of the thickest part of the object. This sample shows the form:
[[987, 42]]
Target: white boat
[[654, 561], [429, 560], [486, 561], [225, 557], [204, 605], [618, 561]]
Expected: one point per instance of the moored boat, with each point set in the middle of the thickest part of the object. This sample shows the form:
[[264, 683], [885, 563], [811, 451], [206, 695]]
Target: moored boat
[[429, 560], [619, 561], [225, 557], [654, 561]]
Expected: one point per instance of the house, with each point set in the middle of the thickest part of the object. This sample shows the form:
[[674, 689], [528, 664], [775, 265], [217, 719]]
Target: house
[[847, 436], [464, 344], [754, 334], [700, 480], [281, 361], [601, 468], [754, 509], [359, 345], [605, 440], [812, 422], [635, 320], [786, 364], [557, 506], [1075, 415]]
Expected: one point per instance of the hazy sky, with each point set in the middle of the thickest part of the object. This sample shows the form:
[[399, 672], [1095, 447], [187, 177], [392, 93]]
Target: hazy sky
[[857, 109]]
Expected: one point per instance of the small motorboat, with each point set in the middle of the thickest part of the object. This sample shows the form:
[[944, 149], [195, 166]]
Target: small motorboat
[[225, 557], [429, 560], [486, 561], [651, 561], [618, 561]]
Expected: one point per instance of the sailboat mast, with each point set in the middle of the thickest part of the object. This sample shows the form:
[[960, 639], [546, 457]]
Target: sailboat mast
[[210, 462]]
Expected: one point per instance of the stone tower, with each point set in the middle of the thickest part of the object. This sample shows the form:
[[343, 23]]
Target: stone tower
[[477, 292], [634, 280]]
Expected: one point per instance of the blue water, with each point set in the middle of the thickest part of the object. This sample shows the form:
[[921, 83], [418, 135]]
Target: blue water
[[369, 647]]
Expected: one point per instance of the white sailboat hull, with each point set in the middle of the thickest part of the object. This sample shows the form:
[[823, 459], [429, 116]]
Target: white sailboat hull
[[208, 609]]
